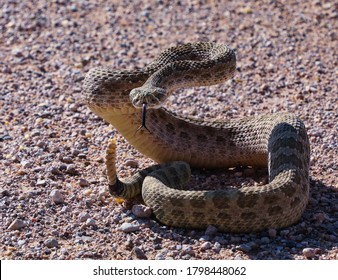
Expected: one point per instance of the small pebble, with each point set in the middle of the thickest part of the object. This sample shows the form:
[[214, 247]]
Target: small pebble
[[103, 192], [83, 183], [3, 204], [186, 257], [188, 250], [131, 163], [220, 240], [75, 152], [87, 192], [246, 248], [4, 193], [211, 230], [129, 244], [83, 216], [42, 144], [73, 107], [284, 232], [217, 247], [139, 253], [160, 256], [17, 52], [17, 224], [21, 242], [204, 238], [65, 209], [54, 170], [38, 169], [141, 211], [67, 159], [129, 227], [64, 251], [82, 156], [90, 222], [265, 240], [51, 243], [41, 183], [309, 252], [206, 245], [56, 196], [26, 164], [71, 170]]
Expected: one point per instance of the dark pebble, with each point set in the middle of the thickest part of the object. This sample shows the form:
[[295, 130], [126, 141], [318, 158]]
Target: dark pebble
[[139, 253]]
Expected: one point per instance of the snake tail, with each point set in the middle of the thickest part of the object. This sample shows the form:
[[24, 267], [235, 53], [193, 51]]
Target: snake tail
[[173, 175]]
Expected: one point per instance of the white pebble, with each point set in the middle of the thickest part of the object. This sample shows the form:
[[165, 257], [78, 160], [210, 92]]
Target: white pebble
[[141, 211], [41, 183], [103, 192], [65, 209], [160, 256], [21, 242], [131, 163], [217, 247], [26, 163], [205, 246], [90, 222], [129, 227], [56, 196], [83, 216]]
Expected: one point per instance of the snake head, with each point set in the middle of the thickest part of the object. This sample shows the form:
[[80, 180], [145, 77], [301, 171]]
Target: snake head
[[152, 96]]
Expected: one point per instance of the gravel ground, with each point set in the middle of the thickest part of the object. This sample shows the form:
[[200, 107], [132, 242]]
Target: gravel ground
[[53, 199]]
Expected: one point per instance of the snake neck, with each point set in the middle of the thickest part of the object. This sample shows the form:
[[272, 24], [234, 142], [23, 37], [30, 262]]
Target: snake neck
[[198, 142]]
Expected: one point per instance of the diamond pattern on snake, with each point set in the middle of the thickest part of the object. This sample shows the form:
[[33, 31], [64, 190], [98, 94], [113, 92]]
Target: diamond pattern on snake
[[278, 141]]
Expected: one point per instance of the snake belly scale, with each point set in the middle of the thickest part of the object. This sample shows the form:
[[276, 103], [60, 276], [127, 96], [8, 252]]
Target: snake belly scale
[[278, 141]]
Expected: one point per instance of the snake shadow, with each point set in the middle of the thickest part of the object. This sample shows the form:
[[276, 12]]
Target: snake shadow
[[317, 229]]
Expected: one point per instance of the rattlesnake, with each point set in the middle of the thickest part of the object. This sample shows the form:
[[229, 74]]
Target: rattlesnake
[[278, 141]]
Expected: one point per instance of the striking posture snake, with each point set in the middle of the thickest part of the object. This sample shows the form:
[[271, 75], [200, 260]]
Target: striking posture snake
[[278, 141]]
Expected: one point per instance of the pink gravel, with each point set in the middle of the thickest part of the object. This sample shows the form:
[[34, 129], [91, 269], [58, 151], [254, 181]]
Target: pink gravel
[[53, 198]]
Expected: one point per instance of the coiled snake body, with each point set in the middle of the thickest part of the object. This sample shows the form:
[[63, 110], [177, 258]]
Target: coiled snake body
[[278, 141]]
